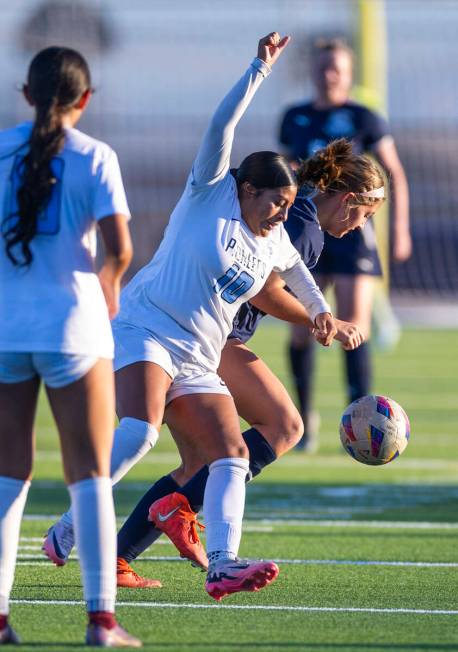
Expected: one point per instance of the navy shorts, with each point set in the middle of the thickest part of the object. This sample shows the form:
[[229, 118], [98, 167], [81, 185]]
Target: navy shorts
[[355, 253]]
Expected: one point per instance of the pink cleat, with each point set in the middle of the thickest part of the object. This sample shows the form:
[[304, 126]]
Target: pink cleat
[[101, 636], [227, 576]]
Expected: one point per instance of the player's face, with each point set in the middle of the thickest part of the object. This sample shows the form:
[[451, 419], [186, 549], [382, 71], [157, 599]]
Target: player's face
[[265, 209], [332, 73], [348, 218]]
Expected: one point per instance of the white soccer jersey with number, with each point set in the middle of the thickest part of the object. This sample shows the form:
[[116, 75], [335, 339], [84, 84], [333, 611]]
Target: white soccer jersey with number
[[56, 304], [209, 261]]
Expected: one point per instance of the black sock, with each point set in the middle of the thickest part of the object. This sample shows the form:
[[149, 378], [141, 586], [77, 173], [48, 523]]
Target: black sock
[[302, 361], [358, 367], [261, 454], [137, 533]]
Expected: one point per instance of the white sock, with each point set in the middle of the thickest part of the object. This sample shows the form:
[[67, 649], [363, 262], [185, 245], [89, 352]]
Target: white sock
[[13, 494], [133, 438], [95, 533], [224, 503]]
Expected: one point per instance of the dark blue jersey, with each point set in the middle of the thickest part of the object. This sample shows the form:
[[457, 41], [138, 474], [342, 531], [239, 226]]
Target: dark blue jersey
[[306, 235], [305, 129]]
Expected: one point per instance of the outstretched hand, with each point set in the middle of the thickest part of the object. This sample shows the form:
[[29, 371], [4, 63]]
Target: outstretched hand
[[349, 335], [271, 46]]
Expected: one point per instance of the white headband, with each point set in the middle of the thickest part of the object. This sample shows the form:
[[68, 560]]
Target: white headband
[[377, 193]]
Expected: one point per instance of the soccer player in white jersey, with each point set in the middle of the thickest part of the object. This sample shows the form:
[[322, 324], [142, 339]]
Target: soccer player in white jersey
[[56, 185], [340, 191], [224, 238]]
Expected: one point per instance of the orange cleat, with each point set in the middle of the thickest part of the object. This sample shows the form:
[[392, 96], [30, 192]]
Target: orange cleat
[[127, 578], [173, 515]]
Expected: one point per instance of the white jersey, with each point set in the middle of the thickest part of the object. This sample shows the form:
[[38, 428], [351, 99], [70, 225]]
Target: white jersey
[[209, 261], [56, 304]]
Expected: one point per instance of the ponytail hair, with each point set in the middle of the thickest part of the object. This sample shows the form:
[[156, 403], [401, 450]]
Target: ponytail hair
[[265, 170], [336, 168], [56, 80]]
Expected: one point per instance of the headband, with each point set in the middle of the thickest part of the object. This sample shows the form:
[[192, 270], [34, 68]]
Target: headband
[[377, 193]]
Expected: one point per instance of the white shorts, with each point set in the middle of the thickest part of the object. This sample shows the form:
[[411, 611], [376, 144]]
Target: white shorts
[[134, 344], [56, 369]]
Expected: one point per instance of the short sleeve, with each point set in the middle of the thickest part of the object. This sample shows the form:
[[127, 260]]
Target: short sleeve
[[375, 127], [109, 195]]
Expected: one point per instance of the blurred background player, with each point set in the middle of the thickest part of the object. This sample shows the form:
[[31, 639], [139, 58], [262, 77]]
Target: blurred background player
[[56, 185], [351, 263]]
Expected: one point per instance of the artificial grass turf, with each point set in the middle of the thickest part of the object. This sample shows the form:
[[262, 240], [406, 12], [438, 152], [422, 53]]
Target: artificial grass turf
[[419, 489]]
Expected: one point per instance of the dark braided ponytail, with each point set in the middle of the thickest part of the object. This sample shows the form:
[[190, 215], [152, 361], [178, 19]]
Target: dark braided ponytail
[[56, 80]]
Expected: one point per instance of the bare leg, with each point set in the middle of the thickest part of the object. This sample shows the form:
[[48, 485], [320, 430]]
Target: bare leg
[[84, 413], [17, 411], [18, 403]]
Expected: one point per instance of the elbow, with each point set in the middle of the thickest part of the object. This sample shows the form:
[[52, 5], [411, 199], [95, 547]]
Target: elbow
[[120, 256]]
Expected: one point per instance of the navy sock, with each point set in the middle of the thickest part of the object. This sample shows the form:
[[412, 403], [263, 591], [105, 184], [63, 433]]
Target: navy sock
[[358, 367], [261, 454], [302, 361], [137, 533]]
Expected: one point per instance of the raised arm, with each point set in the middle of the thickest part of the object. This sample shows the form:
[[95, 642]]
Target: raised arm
[[212, 161]]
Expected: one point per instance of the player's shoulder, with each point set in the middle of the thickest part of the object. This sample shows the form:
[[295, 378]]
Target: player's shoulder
[[12, 139], [304, 206], [80, 143], [302, 218], [362, 110]]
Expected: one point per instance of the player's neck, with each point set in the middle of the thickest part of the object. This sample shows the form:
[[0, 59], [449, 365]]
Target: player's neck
[[330, 101]]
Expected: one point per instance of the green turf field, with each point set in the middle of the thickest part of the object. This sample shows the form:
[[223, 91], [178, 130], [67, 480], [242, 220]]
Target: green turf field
[[368, 555]]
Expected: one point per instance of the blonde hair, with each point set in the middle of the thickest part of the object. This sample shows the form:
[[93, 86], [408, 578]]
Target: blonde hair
[[336, 168], [322, 44]]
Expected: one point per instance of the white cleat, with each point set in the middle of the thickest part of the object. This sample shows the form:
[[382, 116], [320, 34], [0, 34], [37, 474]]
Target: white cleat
[[59, 543]]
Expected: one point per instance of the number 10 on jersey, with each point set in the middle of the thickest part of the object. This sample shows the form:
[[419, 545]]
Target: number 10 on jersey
[[233, 283]]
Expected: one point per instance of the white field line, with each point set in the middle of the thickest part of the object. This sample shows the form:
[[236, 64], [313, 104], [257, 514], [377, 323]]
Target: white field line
[[400, 525], [259, 520], [298, 562], [257, 607]]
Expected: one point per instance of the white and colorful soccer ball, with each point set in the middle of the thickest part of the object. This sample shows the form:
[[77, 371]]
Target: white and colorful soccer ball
[[374, 430]]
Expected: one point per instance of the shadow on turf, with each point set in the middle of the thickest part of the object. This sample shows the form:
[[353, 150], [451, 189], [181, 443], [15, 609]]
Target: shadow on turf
[[393, 502], [306, 645], [263, 645]]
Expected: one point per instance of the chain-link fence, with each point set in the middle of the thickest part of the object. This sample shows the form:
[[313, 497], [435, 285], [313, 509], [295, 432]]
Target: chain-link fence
[[161, 67]]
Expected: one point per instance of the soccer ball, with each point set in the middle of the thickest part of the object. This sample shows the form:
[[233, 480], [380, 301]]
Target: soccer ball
[[374, 430]]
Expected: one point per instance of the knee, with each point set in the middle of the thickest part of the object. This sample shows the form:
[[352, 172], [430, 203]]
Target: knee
[[292, 429], [286, 430], [139, 433]]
